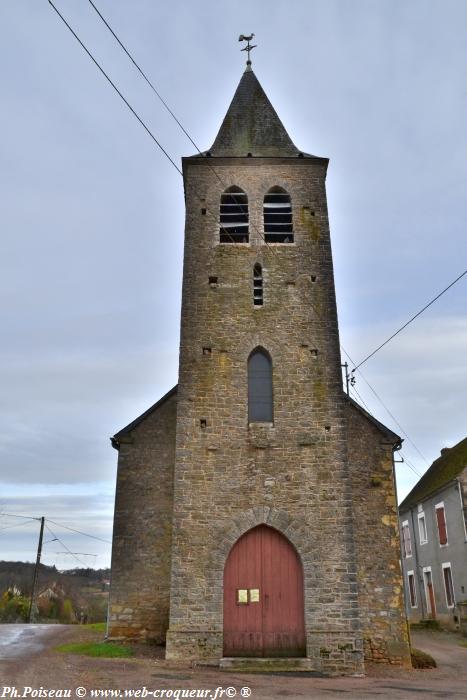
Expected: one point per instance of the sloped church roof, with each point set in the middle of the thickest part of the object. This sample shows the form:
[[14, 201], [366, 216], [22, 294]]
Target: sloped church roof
[[115, 439], [252, 126]]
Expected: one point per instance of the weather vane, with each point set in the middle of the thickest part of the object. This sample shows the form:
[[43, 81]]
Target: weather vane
[[248, 47]]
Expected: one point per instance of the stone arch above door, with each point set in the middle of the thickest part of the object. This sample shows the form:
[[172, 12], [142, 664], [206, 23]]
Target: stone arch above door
[[292, 528]]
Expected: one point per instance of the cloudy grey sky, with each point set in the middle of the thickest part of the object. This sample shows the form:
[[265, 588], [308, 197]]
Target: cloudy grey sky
[[92, 220]]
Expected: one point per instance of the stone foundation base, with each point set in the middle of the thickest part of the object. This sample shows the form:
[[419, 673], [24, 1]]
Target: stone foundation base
[[118, 632], [336, 653], [387, 651], [204, 645], [330, 653]]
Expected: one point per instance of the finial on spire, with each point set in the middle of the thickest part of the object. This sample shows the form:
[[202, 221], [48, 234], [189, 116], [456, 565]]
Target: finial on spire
[[247, 48]]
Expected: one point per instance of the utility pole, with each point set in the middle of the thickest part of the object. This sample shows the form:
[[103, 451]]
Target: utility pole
[[36, 568], [346, 367]]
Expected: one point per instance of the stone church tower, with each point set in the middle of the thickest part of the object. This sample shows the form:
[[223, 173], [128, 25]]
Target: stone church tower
[[255, 510]]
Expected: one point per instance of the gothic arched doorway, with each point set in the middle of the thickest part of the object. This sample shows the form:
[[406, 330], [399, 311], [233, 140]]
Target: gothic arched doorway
[[263, 597]]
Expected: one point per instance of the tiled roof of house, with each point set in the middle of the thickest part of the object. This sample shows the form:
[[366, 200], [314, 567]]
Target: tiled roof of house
[[451, 463]]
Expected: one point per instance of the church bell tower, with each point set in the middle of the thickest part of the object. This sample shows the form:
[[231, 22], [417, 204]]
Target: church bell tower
[[260, 446], [255, 511]]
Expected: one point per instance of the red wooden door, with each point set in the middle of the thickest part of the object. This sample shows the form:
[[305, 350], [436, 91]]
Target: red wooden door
[[263, 597]]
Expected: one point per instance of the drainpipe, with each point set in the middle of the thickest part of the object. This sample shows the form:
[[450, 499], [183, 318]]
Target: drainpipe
[[397, 446], [461, 496]]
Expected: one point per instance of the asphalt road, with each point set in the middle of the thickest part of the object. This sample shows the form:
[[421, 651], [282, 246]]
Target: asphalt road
[[22, 641]]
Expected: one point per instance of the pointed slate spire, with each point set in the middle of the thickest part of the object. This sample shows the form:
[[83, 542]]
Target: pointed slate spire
[[251, 125]]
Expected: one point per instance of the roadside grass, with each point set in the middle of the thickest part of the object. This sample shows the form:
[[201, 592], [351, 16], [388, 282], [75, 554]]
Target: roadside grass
[[109, 650], [463, 643], [96, 626]]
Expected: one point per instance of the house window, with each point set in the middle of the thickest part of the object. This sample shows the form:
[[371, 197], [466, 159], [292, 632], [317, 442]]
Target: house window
[[277, 213], [260, 387], [233, 217], [257, 285], [412, 591], [441, 521], [448, 586], [406, 543], [422, 528]]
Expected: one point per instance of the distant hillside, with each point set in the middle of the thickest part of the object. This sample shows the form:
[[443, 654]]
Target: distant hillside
[[73, 595]]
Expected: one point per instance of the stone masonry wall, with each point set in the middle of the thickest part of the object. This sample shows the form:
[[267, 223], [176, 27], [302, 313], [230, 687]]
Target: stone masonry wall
[[140, 588], [376, 533], [230, 476]]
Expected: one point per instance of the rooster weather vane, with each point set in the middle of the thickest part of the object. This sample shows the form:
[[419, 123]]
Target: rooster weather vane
[[248, 47]]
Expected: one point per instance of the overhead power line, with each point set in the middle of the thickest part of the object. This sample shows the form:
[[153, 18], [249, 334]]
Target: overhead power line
[[8, 527], [133, 111], [405, 460], [135, 114], [386, 408], [410, 320], [410, 465], [145, 77], [54, 522], [65, 547], [79, 532], [159, 96]]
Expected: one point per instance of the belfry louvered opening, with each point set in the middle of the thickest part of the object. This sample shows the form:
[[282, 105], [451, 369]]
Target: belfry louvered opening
[[233, 216], [257, 285], [278, 216]]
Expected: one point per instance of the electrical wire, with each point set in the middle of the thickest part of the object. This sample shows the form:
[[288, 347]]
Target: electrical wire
[[54, 522], [140, 70], [9, 527], [410, 320], [13, 515], [405, 460], [410, 465], [65, 547], [386, 408], [79, 532], [135, 114], [168, 109], [133, 111]]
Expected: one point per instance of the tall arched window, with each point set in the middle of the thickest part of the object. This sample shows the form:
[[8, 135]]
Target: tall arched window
[[233, 217], [277, 216], [260, 409]]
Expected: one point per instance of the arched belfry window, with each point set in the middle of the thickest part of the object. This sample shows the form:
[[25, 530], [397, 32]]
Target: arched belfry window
[[257, 285], [278, 216], [260, 409], [233, 217]]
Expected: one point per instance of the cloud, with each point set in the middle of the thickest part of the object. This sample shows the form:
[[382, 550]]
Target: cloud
[[92, 213]]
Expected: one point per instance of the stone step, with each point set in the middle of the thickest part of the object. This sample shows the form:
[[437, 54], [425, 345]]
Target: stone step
[[259, 664]]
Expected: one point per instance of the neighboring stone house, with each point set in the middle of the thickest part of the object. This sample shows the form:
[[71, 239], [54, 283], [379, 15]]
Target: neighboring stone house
[[255, 509], [434, 539]]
